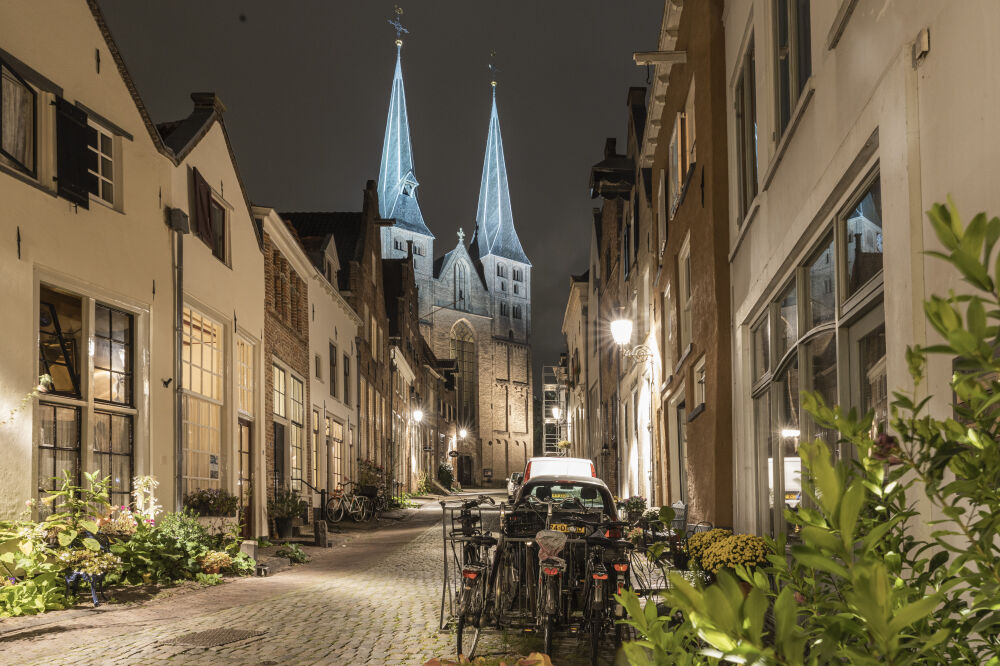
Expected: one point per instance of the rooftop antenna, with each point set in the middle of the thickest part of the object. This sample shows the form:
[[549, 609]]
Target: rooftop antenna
[[395, 23]]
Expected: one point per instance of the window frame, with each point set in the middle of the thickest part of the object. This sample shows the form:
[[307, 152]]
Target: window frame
[[334, 376], [100, 131], [684, 295], [747, 138], [797, 85]]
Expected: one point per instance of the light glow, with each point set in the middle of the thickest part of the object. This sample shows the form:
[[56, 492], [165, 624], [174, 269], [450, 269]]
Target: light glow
[[556, 412], [621, 331], [462, 433], [789, 433], [418, 415]]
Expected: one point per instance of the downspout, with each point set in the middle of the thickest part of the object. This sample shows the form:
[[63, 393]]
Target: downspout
[[178, 242], [392, 421], [357, 405]]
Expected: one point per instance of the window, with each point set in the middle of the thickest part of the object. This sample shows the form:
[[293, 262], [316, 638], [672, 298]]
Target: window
[[788, 319], [518, 277], [347, 380], [461, 286], [106, 390], [245, 376], [661, 212], [504, 309], [863, 239], [335, 444], [793, 55], [201, 403], [627, 251], [280, 391], [690, 153], [463, 349], [112, 355], [746, 131], [297, 432], [517, 312], [677, 156], [18, 102], [822, 277], [501, 271], [333, 370], [761, 342], [699, 382], [314, 452], [318, 366], [100, 164], [684, 293], [517, 289]]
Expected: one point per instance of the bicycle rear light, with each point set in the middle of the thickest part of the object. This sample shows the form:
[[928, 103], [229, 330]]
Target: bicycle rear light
[[600, 576], [550, 571], [621, 566], [470, 574]]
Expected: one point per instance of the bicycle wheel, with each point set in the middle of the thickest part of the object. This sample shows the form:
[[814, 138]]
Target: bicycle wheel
[[334, 510], [356, 509], [595, 640], [547, 634], [368, 507], [468, 637]]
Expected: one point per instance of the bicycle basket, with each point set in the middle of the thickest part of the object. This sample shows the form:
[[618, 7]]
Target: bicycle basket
[[550, 543], [522, 524], [368, 491]]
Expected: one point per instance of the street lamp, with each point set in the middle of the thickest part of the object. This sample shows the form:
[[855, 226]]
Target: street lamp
[[462, 433], [621, 332], [418, 415], [556, 412]]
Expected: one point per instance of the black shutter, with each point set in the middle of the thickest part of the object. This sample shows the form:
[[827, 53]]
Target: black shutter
[[71, 153]]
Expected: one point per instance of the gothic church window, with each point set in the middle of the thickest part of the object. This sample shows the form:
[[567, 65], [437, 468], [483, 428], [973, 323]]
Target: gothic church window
[[463, 350]]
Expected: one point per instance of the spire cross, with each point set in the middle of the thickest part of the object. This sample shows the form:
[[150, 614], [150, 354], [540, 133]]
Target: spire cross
[[395, 23], [493, 68], [461, 235]]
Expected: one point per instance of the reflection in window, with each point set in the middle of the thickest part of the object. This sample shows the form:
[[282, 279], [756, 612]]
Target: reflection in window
[[822, 280], [58, 448], [60, 331], [821, 354], [113, 453], [874, 387], [788, 319], [765, 456], [790, 466], [761, 349], [112, 355], [863, 239]]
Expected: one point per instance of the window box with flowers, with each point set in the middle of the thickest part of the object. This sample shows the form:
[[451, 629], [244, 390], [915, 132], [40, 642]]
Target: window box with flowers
[[216, 509]]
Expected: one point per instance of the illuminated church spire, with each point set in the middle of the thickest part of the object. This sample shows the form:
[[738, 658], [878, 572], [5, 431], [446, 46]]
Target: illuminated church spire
[[397, 184], [495, 232]]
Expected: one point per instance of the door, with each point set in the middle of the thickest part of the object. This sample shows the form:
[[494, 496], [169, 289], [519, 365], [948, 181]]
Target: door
[[279, 455], [245, 480], [465, 471]]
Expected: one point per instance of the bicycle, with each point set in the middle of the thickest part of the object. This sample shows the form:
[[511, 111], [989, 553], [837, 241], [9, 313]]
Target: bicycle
[[601, 611], [349, 503], [335, 505], [473, 598]]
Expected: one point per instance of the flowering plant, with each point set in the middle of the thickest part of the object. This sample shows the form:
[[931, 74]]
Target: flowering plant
[[564, 444], [122, 524], [214, 561], [90, 562], [371, 474], [212, 502], [143, 495], [635, 503], [635, 534], [733, 551], [699, 542]]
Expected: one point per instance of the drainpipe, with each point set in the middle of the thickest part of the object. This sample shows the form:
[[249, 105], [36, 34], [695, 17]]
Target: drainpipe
[[357, 405], [178, 242]]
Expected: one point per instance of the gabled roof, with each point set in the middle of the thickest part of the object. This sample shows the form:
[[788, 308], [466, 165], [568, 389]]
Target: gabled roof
[[458, 251], [614, 176], [495, 233], [346, 229], [397, 183]]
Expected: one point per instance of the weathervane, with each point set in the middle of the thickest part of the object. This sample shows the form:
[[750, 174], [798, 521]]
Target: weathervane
[[395, 23], [493, 68]]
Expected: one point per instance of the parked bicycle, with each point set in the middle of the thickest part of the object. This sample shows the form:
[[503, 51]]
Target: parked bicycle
[[474, 599], [600, 610], [343, 502]]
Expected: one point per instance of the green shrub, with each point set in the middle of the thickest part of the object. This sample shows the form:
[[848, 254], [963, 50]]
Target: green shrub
[[286, 503], [243, 565], [169, 551], [860, 586], [446, 475], [42, 593], [293, 552]]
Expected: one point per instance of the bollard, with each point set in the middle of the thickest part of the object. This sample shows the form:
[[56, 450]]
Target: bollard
[[319, 528]]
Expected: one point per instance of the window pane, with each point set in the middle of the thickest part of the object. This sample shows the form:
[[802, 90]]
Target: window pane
[[874, 387], [17, 124], [789, 433], [59, 340], [765, 457], [761, 348], [863, 239], [822, 298], [821, 353], [788, 319]]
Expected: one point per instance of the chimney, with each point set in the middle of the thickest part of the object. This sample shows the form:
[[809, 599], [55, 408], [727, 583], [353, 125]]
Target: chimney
[[409, 250], [208, 100], [609, 147]]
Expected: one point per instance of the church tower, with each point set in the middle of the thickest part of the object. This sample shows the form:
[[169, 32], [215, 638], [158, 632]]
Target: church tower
[[397, 192], [496, 245]]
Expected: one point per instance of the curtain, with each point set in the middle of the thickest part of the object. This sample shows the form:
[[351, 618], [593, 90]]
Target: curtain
[[17, 122]]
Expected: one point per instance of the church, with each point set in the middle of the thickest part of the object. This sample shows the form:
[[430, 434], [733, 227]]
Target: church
[[474, 299]]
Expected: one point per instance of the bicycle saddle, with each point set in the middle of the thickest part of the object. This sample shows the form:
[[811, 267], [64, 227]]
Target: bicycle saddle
[[554, 562], [598, 539], [484, 540]]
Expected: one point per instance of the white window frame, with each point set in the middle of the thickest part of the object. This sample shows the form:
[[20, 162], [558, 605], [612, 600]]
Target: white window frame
[[684, 294], [214, 399], [114, 157]]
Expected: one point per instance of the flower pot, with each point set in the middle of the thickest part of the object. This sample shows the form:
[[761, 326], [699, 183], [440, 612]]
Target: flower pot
[[284, 527], [634, 516]]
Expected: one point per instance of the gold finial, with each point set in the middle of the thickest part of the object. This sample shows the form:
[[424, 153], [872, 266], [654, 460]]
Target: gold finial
[[397, 24]]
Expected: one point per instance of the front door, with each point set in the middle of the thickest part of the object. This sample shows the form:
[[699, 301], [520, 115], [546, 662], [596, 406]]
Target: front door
[[245, 479], [279, 455], [465, 471]]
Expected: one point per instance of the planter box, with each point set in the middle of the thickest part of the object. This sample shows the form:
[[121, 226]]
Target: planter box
[[215, 525]]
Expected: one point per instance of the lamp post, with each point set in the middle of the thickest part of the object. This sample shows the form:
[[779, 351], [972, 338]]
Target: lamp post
[[621, 332]]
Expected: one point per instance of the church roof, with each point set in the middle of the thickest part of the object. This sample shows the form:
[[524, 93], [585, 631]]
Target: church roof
[[461, 249], [495, 232], [397, 184]]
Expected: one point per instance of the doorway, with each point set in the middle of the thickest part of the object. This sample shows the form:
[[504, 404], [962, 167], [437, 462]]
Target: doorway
[[465, 471], [245, 480]]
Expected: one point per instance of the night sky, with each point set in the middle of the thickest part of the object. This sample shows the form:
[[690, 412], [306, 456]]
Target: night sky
[[307, 84]]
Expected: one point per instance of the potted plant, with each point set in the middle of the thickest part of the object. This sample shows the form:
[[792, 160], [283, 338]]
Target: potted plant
[[285, 506], [216, 509], [699, 542], [564, 447], [732, 551], [634, 507]]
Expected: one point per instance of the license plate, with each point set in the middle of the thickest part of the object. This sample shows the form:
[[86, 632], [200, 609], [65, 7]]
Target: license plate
[[791, 496], [562, 527]]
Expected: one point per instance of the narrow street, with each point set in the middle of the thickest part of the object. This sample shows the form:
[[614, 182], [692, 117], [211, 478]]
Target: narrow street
[[372, 600]]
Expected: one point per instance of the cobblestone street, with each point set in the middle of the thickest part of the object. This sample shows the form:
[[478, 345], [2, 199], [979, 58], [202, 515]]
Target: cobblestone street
[[372, 600]]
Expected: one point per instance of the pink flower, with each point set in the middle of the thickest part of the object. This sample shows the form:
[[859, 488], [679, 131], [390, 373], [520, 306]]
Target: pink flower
[[800, 598], [885, 448]]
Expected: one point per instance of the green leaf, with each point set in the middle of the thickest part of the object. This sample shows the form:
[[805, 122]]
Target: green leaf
[[911, 613], [90, 525], [66, 538], [850, 508], [810, 558], [976, 317], [91, 544]]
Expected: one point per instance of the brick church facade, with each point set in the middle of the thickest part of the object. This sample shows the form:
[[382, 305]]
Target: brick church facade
[[474, 300]]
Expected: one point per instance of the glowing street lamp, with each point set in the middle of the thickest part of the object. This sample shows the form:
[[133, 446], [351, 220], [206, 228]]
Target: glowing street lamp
[[418, 415], [621, 330], [556, 412], [462, 433]]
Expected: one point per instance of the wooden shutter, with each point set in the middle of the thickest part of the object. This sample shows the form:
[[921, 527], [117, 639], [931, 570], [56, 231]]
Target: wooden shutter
[[71, 153]]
